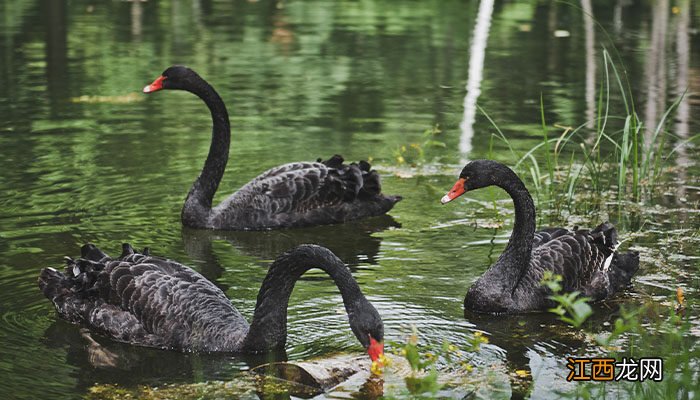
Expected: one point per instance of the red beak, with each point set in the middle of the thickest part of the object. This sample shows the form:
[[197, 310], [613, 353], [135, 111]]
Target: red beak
[[457, 190], [375, 349], [155, 86]]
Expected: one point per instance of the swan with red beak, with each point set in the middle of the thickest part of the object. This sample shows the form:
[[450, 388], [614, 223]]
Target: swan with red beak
[[588, 260]]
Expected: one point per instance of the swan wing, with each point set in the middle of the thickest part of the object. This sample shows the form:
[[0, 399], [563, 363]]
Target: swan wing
[[546, 234], [281, 169], [299, 187], [578, 256], [172, 305]]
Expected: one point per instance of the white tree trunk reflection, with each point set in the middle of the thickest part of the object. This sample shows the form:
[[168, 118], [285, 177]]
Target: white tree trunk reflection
[[656, 70], [476, 72], [682, 74], [588, 27]]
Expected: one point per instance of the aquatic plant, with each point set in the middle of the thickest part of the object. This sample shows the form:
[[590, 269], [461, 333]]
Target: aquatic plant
[[660, 329], [414, 153], [655, 329], [432, 368], [571, 308], [619, 155]]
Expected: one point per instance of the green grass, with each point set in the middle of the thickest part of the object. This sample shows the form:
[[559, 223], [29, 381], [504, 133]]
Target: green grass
[[428, 363], [656, 329], [620, 155], [614, 158]]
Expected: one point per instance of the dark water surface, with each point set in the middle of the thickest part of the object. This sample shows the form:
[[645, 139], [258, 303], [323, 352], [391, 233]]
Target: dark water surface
[[85, 157]]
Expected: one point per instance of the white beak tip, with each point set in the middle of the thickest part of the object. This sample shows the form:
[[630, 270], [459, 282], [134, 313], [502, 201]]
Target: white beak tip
[[147, 89], [445, 199]]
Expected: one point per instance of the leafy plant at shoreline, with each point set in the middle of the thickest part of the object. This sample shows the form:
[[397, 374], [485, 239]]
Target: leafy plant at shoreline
[[423, 380], [424, 375], [630, 165], [656, 329], [414, 153], [572, 308]]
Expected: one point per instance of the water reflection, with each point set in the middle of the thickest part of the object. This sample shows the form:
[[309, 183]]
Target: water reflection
[[477, 54], [55, 20], [307, 79], [101, 360], [137, 18], [354, 242], [655, 70], [588, 20], [682, 88]]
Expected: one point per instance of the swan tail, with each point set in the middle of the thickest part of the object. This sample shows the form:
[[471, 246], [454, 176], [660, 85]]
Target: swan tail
[[77, 306], [61, 290], [53, 283], [359, 180], [91, 252], [127, 250], [77, 290], [605, 238], [622, 269], [81, 294]]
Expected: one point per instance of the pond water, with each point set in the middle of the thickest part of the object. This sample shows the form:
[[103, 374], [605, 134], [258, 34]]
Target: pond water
[[85, 157]]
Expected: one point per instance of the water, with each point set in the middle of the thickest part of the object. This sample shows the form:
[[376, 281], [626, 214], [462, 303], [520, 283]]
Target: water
[[87, 158]]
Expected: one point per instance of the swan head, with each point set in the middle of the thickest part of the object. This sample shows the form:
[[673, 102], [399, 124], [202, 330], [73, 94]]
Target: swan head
[[175, 77], [368, 328], [478, 174]]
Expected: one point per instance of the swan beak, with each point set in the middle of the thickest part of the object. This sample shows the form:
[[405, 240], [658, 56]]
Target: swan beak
[[456, 191], [155, 86], [375, 349]]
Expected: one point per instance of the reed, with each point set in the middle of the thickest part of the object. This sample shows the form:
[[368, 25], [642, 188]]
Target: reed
[[618, 155]]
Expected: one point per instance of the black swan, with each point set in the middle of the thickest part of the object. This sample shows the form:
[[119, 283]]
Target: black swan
[[291, 195], [155, 302], [586, 259]]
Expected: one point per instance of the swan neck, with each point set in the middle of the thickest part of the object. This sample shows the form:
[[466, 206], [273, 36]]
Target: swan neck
[[519, 249], [268, 329], [199, 200]]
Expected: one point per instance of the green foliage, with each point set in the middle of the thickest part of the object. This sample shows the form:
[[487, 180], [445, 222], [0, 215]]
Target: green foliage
[[653, 330], [572, 308], [428, 383], [628, 160], [424, 377], [414, 153], [656, 329]]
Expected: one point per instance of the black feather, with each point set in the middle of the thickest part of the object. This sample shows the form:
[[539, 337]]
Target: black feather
[[586, 259], [291, 195], [156, 302]]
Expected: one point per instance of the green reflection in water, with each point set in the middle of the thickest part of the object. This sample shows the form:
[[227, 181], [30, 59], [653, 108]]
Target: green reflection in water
[[302, 80]]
